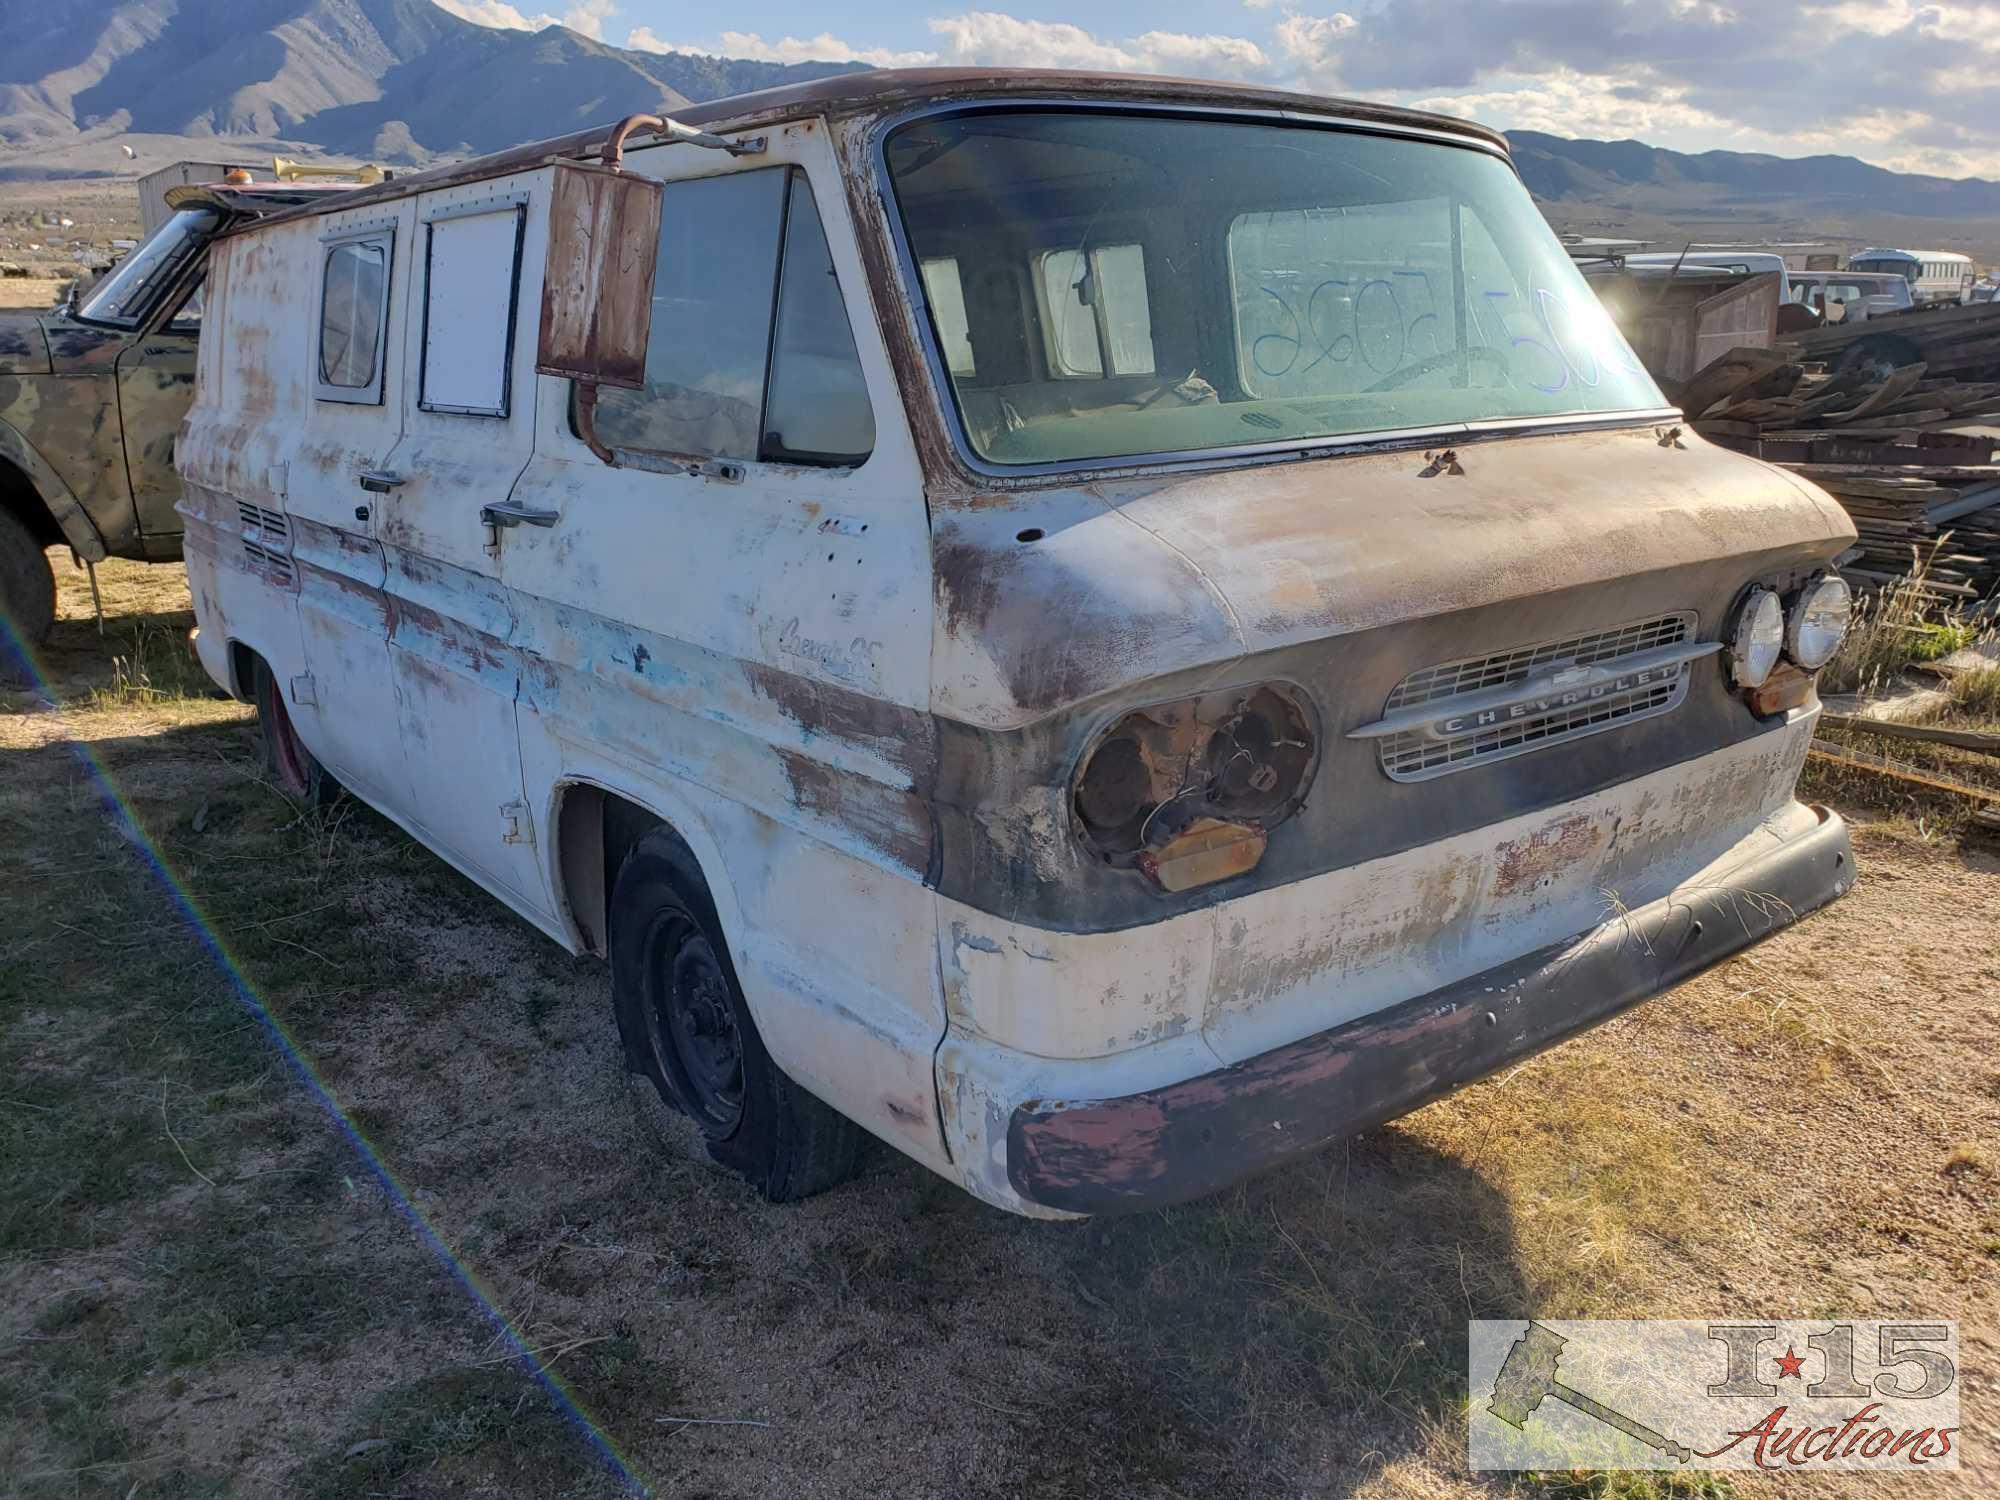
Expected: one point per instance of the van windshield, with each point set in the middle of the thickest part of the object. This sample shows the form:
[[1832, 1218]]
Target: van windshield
[[128, 292], [1103, 285]]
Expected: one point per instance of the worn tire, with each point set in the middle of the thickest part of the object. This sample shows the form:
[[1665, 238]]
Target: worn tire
[[27, 591], [668, 962], [291, 764]]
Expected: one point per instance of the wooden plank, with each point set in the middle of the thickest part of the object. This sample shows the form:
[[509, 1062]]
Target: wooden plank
[[1882, 765], [1960, 739]]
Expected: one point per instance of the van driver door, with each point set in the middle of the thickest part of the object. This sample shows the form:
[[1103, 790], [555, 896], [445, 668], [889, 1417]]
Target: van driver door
[[468, 431]]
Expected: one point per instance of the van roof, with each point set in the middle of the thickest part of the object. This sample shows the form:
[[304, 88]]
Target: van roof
[[886, 90]]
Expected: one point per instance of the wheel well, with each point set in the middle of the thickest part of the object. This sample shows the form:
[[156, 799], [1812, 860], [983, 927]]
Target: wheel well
[[595, 831], [242, 671], [20, 499]]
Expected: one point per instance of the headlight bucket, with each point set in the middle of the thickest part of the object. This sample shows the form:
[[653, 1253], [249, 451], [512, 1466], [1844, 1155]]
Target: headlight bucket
[[1186, 791], [1757, 639], [1818, 621]]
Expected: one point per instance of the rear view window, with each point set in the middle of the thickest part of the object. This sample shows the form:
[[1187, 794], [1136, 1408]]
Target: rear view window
[[751, 355], [354, 288]]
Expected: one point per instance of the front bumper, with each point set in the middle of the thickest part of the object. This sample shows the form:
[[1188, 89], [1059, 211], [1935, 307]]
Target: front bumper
[[1168, 1144]]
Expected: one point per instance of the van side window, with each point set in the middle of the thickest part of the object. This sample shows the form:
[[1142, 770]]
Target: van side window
[[472, 269], [751, 355], [944, 290], [354, 294], [1096, 315], [817, 409]]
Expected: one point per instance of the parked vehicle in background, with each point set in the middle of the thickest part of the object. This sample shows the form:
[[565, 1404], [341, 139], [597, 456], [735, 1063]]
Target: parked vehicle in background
[[1742, 262], [1985, 291], [1935, 276], [91, 394], [1852, 296], [1106, 631]]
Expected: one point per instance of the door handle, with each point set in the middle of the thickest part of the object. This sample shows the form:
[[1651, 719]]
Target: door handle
[[377, 481], [507, 513]]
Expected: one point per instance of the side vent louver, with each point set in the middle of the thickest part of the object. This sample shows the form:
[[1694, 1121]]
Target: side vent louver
[[267, 541]]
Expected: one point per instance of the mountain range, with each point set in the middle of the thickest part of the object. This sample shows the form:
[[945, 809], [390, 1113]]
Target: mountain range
[[404, 82]]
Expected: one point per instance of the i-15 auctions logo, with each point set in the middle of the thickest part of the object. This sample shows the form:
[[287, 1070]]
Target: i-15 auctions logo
[[1777, 1396]]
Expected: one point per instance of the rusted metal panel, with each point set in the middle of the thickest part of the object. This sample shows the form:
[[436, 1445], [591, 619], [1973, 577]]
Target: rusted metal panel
[[597, 288], [1192, 1136]]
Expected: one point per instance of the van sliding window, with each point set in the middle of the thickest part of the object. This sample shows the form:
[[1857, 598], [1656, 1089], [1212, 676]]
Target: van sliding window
[[354, 295], [751, 355]]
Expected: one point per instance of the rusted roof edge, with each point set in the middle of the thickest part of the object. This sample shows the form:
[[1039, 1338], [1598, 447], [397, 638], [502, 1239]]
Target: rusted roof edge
[[886, 91]]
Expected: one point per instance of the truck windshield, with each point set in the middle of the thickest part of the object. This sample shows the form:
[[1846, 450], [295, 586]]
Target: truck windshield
[[1103, 285], [128, 293]]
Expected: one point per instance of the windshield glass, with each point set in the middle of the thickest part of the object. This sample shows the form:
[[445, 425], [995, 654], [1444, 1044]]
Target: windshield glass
[[1102, 285], [125, 295]]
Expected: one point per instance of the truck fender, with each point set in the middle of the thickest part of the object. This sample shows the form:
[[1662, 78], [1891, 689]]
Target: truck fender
[[76, 526]]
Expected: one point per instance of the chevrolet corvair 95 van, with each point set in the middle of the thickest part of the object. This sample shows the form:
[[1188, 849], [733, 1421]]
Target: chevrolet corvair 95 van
[[1108, 632]]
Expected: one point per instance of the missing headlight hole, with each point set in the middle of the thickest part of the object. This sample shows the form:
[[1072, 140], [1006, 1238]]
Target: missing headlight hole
[[1242, 757]]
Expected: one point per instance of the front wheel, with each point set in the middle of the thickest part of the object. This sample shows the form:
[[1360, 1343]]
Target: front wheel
[[27, 593], [682, 1013]]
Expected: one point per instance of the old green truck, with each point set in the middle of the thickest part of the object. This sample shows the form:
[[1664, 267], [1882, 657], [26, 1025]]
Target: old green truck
[[91, 396]]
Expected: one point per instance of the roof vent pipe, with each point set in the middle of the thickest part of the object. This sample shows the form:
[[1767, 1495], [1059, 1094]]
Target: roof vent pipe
[[613, 155]]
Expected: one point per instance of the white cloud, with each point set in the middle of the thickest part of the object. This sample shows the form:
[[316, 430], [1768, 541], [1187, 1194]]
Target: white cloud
[[984, 36], [1576, 105], [586, 16], [822, 48], [1311, 45], [495, 13], [589, 16], [991, 39]]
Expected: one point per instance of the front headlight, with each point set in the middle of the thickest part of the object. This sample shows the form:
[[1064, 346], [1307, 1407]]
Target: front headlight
[[1819, 620], [1757, 640], [1187, 792]]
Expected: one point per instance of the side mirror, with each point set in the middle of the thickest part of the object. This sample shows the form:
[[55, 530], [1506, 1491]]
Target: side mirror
[[597, 288]]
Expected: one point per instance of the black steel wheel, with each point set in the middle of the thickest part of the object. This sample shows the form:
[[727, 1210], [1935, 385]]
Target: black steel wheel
[[687, 1027], [691, 1022]]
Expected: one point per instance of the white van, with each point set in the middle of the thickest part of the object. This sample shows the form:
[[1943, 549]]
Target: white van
[[1935, 276], [1107, 632], [1742, 262]]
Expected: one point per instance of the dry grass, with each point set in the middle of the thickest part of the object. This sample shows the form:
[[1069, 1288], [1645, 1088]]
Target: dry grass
[[204, 1291], [31, 292]]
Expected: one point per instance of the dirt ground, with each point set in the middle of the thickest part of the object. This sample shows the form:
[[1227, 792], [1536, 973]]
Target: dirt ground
[[213, 1035]]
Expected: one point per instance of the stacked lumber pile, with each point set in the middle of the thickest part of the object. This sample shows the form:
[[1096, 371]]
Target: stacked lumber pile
[[1914, 490], [1960, 341]]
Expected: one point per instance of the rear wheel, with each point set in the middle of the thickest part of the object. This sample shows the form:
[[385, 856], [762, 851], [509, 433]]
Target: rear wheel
[[684, 1019], [27, 591], [290, 763]]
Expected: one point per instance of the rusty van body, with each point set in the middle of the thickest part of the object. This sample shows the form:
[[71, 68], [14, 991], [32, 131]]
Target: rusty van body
[[1107, 632], [91, 395]]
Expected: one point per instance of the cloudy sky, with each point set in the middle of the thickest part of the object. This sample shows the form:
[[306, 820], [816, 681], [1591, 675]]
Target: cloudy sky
[[1908, 85]]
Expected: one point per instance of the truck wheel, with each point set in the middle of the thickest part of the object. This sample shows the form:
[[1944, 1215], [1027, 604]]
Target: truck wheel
[[27, 587], [682, 1012], [292, 766]]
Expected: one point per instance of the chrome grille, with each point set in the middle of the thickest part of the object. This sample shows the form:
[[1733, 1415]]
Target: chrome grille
[[1418, 755]]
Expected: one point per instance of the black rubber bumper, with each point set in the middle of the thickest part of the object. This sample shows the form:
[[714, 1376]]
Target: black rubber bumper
[[1189, 1138]]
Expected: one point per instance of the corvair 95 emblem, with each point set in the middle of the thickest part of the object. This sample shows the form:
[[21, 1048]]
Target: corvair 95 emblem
[[1542, 695]]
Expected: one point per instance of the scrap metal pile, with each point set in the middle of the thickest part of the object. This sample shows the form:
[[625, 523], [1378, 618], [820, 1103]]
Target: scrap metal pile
[[1960, 341], [1924, 497]]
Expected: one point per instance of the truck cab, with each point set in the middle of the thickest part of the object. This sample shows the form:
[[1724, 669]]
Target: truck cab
[[1105, 632], [91, 394]]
